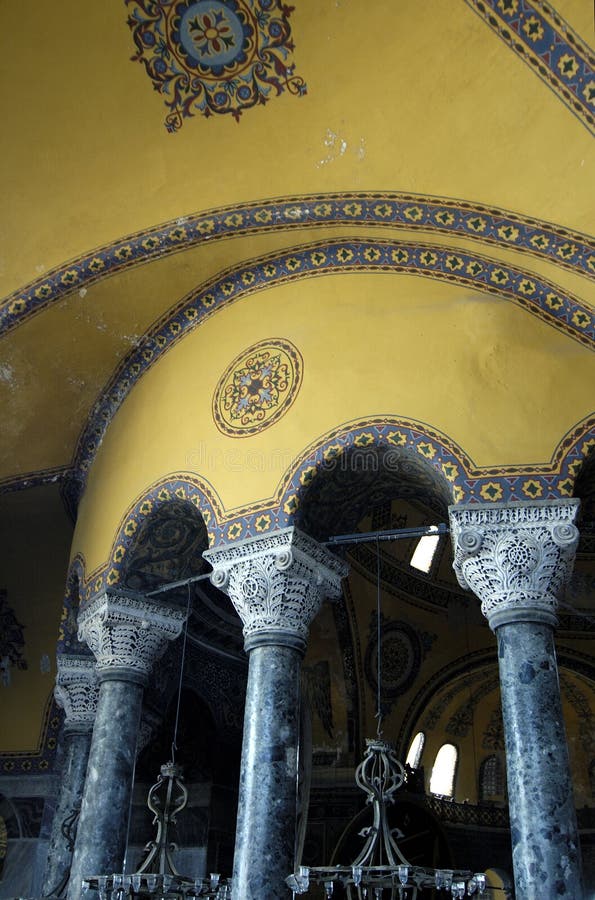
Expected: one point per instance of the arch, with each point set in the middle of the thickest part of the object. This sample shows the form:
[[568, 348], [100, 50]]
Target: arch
[[534, 294], [361, 468], [444, 771], [195, 493], [413, 212], [462, 674]]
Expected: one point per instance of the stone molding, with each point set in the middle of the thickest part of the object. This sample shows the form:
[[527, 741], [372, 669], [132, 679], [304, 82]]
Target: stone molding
[[516, 557], [127, 633], [277, 583], [77, 691]]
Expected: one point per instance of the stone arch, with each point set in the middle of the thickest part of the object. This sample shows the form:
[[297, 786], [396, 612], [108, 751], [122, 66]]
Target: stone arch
[[364, 463], [186, 493]]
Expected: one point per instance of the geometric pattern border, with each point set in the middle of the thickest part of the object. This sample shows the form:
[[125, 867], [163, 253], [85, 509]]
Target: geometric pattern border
[[552, 50], [214, 57], [536, 295], [564, 247], [464, 481]]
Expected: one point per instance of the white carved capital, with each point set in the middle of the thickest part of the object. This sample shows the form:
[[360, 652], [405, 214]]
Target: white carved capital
[[126, 631], [77, 690], [516, 557], [277, 582]]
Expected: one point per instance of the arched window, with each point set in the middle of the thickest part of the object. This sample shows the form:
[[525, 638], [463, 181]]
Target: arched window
[[442, 780], [415, 750], [491, 779]]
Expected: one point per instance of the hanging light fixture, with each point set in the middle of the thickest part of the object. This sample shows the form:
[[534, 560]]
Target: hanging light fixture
[[381, 870], [157, 876]]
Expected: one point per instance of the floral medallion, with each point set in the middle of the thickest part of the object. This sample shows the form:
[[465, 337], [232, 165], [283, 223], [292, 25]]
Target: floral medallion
[[257, 388], [214, 56]]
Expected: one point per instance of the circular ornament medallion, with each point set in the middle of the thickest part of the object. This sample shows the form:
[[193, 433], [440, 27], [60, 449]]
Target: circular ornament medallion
[[401, 659], [257, 388], [216, 39]]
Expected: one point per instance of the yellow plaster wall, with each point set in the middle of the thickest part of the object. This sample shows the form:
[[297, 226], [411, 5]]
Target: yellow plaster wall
[[478, 368], [35, 536], [404, 96]]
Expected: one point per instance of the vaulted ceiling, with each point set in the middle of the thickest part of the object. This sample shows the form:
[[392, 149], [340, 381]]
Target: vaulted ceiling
[[462, 129]]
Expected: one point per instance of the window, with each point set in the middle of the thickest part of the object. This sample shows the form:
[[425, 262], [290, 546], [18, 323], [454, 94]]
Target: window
[[415, 750], [491, 780], [442, 780], [423, 555]]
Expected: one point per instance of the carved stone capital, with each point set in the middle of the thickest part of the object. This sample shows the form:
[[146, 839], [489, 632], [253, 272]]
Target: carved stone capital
[[127, 633], [76, 691], [516, 557], [277, 583]]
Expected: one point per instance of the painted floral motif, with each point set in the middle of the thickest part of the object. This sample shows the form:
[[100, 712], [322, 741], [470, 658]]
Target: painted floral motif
[[257, 388], [214, 56]]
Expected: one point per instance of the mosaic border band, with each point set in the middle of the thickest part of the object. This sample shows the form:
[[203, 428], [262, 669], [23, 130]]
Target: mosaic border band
[[548, 45], [465, 482], [570, 249]]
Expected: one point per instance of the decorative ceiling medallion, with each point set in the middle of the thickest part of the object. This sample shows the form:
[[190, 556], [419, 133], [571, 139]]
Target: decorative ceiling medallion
[[215, 56], [257, 388]]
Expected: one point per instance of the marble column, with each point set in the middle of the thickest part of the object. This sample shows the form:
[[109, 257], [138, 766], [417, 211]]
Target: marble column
[[76, 692], [277, 584], [127, 635], [516, 557]]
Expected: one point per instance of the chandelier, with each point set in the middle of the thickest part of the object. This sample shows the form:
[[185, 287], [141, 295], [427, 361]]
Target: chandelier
[[381, 865], [157, 875], [381, 870]]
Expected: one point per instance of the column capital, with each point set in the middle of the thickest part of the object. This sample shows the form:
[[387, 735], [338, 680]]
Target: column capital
[[127, 633], [77, 691], [516, 557], [277, 583]]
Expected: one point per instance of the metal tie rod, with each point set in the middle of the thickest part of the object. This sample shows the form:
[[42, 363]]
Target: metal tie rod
[[395, 534], [176, 584]]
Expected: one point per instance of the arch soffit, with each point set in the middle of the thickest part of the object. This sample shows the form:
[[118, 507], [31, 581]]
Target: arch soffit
[[536, 295]]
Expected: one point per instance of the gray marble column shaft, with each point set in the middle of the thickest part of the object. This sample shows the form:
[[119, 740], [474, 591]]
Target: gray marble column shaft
[[543, 826], [127, 635], [517, 557], [277, 584], [76, 746], [265, 835], [77, 692], [103, 824]]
